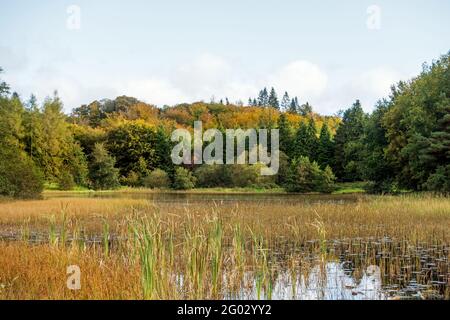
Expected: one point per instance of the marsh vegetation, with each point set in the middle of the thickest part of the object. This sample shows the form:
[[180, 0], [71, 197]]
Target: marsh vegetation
[[322, 247]]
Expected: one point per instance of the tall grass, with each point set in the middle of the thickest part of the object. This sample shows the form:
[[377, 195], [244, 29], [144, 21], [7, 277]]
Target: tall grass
[[250, 250]]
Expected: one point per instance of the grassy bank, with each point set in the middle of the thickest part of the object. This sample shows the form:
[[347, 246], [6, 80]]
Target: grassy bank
[[341, 188]]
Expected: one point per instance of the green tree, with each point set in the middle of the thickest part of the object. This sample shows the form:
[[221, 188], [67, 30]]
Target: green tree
[[349, 150], [102, 173], [293, 106], [306, 141], [273, 99], [325, 149], [285, 133], [4, 88], [285, 102], [375, 167], [51, 144], [263, 98], [417, 126], [305, 109], [19, 177], [133, 144]]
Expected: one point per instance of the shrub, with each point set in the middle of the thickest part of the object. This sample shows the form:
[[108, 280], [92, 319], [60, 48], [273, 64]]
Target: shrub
[[66, 181], [306, 176], [209, 176], [183, 180], [19, 177], [382, 187], [132, 179], [326, 181], [157, 179], [440, 180]]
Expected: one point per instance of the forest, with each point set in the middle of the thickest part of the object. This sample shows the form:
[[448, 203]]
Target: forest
[[403, 144]]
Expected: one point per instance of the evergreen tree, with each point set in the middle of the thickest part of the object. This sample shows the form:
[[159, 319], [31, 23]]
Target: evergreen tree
[[19, 177], [285, 135], [436, 152], [263, 98], [4, 88], [304, 109], [325, 149], [313, 141], [374, 165], [273, 99], [102, 173], [285, 102], [51, 144], [349, 149], [293, 106]]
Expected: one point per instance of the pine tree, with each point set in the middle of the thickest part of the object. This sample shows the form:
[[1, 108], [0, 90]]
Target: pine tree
[[285, 135], [293, 106], [263, 98], [348, 150], [305, 109], [285, 102], [273, 99], [4, 88], [306, 141], [325, 149], [437, 152], [102, 173], [313, 141]]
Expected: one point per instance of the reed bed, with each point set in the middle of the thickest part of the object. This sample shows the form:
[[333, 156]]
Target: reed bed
[[137, 249]]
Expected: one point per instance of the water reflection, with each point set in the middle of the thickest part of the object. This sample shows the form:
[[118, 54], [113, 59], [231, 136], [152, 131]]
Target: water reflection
[[223, 198]]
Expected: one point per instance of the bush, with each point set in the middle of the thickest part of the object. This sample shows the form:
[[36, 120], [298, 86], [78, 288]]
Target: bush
[[183, 180], [102, 173], [132, 179], [382, 187], [66, 181], [440, 180], [19, 177], [326, 181], [306, 176], [239, 176], [209, 176], [157, 179]]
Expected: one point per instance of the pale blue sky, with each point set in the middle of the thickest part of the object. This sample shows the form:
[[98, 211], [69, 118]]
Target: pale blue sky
[[180, 51]]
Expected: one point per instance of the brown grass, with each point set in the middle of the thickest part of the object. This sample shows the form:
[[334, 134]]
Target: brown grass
[[151, 245]]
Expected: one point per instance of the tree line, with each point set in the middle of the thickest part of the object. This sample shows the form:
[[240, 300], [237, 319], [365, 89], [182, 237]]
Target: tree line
[[404, 144]]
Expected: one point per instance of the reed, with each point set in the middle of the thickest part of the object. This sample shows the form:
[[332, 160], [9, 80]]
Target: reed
[[247, 250]]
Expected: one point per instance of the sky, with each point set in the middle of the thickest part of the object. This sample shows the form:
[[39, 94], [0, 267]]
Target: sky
[[327, 52]]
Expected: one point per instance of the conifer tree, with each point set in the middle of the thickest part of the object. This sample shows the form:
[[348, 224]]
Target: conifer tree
[[325, 149], [273, 99], [285, 102]]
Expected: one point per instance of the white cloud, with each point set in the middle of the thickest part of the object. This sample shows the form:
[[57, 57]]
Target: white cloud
[[300, 78], [209, 76], [377, 81]]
